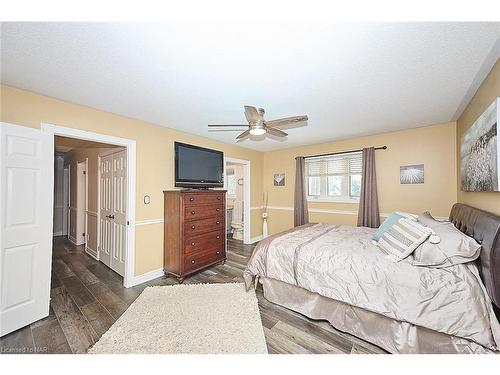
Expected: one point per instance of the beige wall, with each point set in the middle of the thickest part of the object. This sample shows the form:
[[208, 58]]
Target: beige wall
[[434, 146], [154, 158], [487, 92]]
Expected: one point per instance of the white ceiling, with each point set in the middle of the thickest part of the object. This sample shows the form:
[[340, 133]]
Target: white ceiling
[[351, 79]]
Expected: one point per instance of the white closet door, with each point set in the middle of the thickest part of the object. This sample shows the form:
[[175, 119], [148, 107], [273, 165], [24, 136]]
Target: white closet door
[[113, 211], [26, 172], [119, 212], [106, 209]]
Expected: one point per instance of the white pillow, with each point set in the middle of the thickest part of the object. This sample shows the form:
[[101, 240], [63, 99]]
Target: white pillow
[[403, 238], [454, 248]]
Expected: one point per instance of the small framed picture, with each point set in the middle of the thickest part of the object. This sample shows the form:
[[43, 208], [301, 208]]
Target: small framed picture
[[279, 179], [411, 174]]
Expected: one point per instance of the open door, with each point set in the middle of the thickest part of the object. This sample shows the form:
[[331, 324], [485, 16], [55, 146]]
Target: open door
[[26, 172], [113, 211]]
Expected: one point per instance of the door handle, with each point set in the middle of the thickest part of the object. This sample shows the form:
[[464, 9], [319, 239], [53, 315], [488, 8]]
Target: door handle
[[110, 216]]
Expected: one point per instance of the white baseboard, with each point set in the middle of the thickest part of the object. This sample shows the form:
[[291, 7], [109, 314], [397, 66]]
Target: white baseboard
[[72, 240], [145, 277], [255, 239]]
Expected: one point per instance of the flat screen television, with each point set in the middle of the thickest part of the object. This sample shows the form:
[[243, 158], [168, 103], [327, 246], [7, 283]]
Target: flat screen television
[[198, 167]]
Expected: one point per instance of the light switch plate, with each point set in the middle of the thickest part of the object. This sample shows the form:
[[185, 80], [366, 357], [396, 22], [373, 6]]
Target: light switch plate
[[147, 199]]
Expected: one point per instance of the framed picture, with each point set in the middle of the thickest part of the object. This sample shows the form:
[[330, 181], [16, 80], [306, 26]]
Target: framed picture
[[411, 174], [479, 158], [279, 179]]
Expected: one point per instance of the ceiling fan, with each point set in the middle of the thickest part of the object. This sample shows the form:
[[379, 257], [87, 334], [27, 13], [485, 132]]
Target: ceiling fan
[[257, 125]]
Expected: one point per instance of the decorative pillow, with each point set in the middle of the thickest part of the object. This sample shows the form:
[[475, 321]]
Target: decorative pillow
[[428, 220], [454, 248], [386, 225], [403, 238]]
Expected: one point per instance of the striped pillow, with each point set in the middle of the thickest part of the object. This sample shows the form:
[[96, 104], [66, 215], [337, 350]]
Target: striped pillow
[[403, 238]]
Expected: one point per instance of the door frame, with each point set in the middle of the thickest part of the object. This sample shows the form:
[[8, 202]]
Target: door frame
[[85, 206], [66, 200], [246, 194], [130, 146], [68, 209]]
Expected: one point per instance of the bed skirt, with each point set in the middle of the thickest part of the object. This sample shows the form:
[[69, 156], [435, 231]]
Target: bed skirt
[[392, 335]]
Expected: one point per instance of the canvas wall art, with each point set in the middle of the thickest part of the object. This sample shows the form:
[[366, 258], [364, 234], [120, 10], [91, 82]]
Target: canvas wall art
[[479, 153], [279, 179], [411, 174]]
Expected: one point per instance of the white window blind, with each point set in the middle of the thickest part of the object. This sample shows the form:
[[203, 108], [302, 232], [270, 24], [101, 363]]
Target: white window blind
[[335, 177]]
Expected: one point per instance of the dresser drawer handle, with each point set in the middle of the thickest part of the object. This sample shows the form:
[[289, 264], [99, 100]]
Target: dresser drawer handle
[[192, 226], [191, 199], [192, 244], [217, 222], [192, 262], [193, 212], [218, 237], [218, 198], [217, 209], [218, 252]]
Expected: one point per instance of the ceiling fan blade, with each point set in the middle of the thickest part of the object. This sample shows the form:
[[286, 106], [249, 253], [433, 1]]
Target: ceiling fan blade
[[252, 114], [245, 134], [233, 126], [286, 120], [223, 130], [276, 132]]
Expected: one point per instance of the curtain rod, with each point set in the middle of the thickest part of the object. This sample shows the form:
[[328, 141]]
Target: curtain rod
[[339, 153]]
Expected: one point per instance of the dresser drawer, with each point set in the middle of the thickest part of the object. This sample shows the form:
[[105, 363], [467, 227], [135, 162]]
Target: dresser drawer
[[194, 199], [194, 228], [202, 259], [202, 211], [204, 242]]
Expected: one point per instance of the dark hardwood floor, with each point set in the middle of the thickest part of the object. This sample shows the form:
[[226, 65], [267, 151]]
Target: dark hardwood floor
[[87, 298]]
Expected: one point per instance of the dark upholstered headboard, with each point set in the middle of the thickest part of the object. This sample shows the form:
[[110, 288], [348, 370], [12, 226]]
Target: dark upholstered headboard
[[484, 227]]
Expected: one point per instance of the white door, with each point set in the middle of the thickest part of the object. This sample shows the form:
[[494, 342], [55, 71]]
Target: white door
[[113, 211], [26, 172], [105, 209], [119, 215]]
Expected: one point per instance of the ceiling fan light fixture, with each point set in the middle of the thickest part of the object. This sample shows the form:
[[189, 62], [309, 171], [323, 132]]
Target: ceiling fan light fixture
[[257, 126], [257, 131]]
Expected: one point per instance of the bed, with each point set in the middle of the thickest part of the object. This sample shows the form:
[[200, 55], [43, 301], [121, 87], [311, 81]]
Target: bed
[[335, 273]]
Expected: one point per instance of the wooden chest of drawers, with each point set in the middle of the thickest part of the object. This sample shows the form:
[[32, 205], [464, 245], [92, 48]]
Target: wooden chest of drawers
[[194, 233]]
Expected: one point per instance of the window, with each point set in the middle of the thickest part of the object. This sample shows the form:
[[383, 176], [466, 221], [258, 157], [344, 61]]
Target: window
[[334, 178]]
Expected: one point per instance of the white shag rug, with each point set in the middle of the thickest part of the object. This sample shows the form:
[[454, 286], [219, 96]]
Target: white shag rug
[[197, 318]]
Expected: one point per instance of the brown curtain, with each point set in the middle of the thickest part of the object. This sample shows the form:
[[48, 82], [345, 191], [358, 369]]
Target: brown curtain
[[368, 214], [300, 211]]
